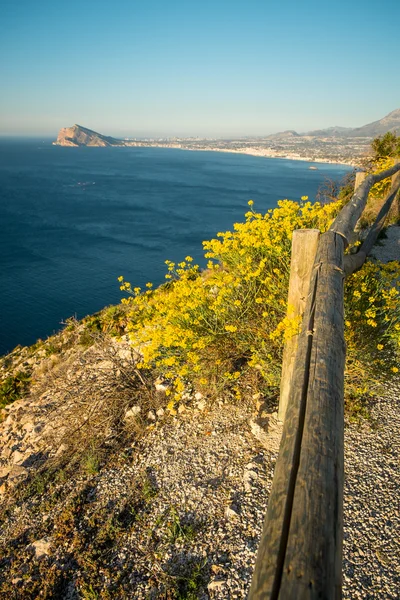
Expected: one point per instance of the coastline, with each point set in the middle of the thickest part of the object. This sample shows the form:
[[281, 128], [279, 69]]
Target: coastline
[[267, 154], [258, 152]]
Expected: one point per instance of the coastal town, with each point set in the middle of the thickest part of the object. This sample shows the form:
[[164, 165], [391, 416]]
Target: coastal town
[[351, 151]]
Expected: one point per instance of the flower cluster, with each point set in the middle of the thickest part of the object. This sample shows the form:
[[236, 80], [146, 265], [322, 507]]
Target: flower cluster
[[372, 326], [225, 326]]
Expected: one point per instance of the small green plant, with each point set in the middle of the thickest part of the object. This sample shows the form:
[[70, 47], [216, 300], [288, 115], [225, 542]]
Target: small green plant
[[88, 593], [14, 387], [91, 462], [149, 491], [178, 529], [188, 585]]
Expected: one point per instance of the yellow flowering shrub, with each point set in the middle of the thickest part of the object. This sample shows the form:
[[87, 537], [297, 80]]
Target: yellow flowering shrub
[[382, 187], [225, 326], [372, 327], [377, 194]]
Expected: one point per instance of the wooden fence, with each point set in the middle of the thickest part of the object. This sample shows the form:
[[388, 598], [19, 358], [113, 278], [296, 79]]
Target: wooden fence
[[300, 552]]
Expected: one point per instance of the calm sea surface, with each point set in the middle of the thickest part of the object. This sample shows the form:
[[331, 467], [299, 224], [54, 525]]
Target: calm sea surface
[[74, 219]]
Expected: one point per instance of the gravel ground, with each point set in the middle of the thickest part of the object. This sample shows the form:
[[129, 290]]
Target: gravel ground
[[388, 248], [371, 503]]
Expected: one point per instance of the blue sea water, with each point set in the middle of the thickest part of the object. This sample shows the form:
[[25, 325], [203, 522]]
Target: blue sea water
[[74, 219]]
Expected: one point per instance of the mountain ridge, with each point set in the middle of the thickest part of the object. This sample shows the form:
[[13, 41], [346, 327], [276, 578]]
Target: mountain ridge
[[388, 123]]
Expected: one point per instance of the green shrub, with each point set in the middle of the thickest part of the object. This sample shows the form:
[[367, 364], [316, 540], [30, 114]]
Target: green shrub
[[13, 387]]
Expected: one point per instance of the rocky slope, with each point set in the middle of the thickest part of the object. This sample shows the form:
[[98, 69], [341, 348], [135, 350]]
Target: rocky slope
[[81, 136]]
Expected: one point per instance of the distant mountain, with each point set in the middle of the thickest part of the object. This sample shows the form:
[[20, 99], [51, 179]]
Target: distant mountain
[[81, 136], [289, 133], [389, 123], [330, 132]]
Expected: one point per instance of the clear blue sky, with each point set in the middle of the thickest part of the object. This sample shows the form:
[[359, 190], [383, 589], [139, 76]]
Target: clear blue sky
[[196, 67]]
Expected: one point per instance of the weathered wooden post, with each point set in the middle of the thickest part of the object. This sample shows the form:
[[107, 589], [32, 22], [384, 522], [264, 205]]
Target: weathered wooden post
[[299, 557], [304, 248]]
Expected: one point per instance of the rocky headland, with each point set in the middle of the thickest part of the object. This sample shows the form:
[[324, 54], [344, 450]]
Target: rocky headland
[[81, 136]]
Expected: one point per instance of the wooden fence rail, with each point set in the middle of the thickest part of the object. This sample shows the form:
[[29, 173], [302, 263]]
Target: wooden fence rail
[[300, 552]]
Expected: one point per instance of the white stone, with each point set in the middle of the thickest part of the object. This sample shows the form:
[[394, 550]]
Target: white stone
[[198, 396], [132, 413], [151, 416], [18, 457], [216, 585], [161, 387], [230, 513], [201, 405], [4, 471], [41, 547]]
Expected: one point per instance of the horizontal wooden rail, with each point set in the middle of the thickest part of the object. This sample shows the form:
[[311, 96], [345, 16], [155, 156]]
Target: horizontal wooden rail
[[352, 262], [300, 552], [346, 220]]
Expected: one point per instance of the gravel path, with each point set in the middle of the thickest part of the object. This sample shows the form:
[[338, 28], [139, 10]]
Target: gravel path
[[388, 248], [372, 503]]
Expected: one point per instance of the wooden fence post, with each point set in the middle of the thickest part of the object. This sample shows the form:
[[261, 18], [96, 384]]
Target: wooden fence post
[[300, 551], [304, 248]]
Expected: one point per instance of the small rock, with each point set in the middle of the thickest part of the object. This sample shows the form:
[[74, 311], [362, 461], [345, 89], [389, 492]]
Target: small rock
[[41, 548], [132, 413], [201, 405], [61, 449], [4, 471], [230, 513], [17, 471], [198, 396], [18, 457], [151, 415], [216, 585], [160, 412], [161, 387]]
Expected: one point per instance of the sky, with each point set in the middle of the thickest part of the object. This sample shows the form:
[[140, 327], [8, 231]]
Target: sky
[[216, 68]]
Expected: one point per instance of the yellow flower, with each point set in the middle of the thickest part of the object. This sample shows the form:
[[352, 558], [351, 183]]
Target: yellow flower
[[121, 278], [395, 370], [380, 346], [231, 328], [250, 203]]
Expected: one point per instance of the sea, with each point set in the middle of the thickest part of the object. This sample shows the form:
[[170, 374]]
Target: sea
[[74, 219]]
